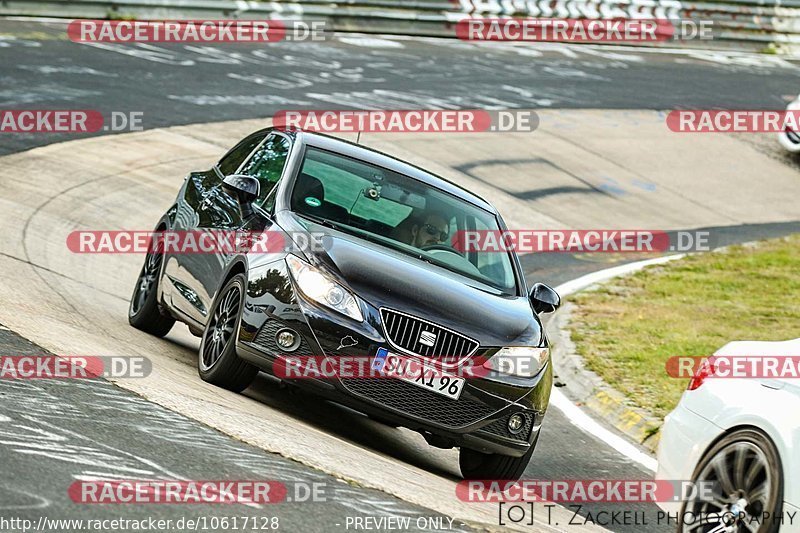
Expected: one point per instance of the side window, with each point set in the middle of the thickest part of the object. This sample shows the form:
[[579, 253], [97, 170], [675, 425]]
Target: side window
[[266, 165], [231, 161]]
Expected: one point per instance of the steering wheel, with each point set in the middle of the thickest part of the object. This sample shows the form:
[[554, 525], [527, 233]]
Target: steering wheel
[[442, 247]]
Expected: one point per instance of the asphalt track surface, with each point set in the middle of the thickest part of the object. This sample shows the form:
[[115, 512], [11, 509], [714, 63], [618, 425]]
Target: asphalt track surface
[[183, 84], [56, 432]]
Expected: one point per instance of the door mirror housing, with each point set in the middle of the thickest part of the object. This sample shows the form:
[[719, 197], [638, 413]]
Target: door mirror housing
[[544, 298], [245, 189]]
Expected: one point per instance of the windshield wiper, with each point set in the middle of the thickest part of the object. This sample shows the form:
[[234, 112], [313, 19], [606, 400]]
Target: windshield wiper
[[320, 220]]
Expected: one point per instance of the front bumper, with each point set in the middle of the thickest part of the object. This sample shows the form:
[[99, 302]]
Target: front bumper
[[477, 420], [685, 435], [791, 518]]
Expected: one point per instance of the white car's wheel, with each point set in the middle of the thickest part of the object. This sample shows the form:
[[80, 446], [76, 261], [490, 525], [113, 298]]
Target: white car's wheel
[[790, 141], [746, 470]]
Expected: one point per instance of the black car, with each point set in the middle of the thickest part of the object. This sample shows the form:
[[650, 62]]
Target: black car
[[384, 281]]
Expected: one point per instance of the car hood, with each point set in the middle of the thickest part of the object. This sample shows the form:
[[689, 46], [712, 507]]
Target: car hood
[[383, 277]]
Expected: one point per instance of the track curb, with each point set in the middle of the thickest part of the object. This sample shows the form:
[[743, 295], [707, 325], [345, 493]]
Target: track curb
[[583, 386]]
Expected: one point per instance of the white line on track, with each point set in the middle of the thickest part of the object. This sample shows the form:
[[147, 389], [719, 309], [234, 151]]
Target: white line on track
[[38, 19], [572, 412]]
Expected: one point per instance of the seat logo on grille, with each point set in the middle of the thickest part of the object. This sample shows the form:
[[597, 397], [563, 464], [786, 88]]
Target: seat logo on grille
[[428, 338]]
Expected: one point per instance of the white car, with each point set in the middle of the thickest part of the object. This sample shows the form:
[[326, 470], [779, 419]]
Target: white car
[[743, 434], [790, 139]]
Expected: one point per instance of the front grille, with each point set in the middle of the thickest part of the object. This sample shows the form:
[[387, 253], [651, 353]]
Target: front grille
[[420, 337], [419, 402], [500, 427]]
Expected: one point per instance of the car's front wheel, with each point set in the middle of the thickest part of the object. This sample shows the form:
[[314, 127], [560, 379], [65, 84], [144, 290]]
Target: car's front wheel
[[144, 312], [217, 361], [744, 470], [485, 466]]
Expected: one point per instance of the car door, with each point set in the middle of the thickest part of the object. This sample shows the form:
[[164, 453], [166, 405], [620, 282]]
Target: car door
[[205, 207]]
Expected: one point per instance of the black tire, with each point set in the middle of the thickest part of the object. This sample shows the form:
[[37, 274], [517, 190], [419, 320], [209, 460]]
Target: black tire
[[217, 361], [484, 466], [740, 463], [144, 311]]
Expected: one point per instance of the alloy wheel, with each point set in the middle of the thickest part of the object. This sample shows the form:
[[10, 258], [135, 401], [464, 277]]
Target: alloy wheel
[[221, 328], [148, 279], [744, 489]]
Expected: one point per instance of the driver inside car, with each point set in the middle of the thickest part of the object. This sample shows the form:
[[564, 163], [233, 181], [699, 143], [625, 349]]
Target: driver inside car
[[425, 230]]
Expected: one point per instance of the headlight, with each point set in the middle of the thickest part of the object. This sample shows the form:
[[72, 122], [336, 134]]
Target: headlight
[[323, 290], [520, 361]]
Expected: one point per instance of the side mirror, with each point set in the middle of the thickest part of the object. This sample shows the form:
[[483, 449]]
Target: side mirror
[[544, 299], [244, 188]]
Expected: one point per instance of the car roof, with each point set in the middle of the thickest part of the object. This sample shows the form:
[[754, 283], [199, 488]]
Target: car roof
[[369, 155]]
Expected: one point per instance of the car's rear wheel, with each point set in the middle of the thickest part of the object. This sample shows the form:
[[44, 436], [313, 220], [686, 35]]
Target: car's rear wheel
[[745, 469], [217, 361], [144, 311], [484, 466]]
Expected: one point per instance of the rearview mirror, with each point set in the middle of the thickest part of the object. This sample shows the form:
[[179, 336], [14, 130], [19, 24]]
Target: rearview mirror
[[244, 188], [544, 299]]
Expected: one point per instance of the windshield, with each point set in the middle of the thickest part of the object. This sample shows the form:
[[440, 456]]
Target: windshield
[[399, 212]]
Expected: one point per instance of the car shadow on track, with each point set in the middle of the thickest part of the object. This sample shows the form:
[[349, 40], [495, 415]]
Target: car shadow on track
[[349, 425], [352, 426]]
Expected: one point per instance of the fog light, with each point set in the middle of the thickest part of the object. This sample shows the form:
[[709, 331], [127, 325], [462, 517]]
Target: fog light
[[516, 423], [287, 339]]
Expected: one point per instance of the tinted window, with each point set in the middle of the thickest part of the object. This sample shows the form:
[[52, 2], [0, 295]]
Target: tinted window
[[491, 265], [399, 212], [230, 163], [267, 163], [342, 187]]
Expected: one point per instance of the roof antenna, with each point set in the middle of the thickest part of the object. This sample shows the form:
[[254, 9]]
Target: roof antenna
[[358, 137]]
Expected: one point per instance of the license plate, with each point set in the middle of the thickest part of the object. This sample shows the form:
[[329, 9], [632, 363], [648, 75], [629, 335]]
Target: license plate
[[417, 372]]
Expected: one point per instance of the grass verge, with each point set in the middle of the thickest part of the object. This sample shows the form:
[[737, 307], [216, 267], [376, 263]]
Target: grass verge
[[628, 328]]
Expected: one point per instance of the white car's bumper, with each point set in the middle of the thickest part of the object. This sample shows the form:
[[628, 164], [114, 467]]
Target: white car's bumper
[[685, 435], [791, 519]]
